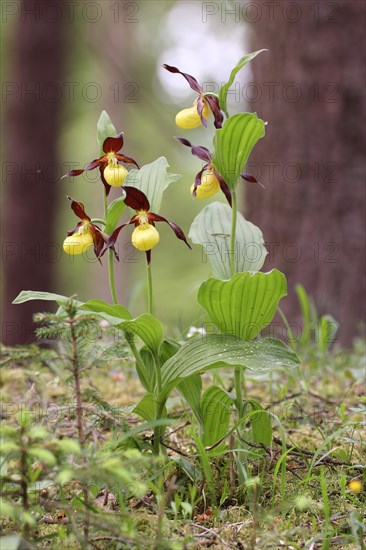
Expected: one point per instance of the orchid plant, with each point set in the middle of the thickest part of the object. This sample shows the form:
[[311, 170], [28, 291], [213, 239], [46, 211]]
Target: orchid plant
[[238, 299]]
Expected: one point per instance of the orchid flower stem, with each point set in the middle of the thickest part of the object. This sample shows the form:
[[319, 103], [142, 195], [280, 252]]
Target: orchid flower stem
[[159, 408], [237, 372], [149, 290], [233, 232], [112, 284]]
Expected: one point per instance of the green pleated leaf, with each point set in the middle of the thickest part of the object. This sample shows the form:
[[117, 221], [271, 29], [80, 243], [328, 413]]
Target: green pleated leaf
[[221, 350], [114, 212], [152, 179], [260, 421], [211, 228], [191, 388], [244, 305], [146, 326], [28, 295], [168, 348], [105, 129], [111, 312], [233, 144], [146, 372], [146, 407], [225, 87], [216, 411]]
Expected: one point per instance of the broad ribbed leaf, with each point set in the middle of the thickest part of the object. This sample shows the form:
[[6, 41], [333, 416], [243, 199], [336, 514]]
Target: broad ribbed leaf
[[216, 409], [221, 350], [152, 179], [191, 389], [114, 212], [146, 326], [105, 129], [225, 87], [260, 421], [146, 407], [28, 295], [211, 228], [244, 305], [112, 312], [233, 144]]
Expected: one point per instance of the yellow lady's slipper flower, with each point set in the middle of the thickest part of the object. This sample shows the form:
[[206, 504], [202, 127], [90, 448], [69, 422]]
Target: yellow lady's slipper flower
[[189, 118], [145, 236], [208, 181], [85, 234], [115, 174], [112, 172], [209, 185], [80, 241], [197, 114]]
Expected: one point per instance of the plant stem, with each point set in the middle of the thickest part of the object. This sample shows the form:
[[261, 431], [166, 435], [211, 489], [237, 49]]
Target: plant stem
[[112, 285], [79, 411], [237, 371], [233, 233], [159, 407], [24, 482], [238, 389], [149, 290]]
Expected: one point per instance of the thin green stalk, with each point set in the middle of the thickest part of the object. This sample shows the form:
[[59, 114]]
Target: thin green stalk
[[159, 407], [105, 204], [137, 356], [238, 389], [149, 290], [233, 233], [238, 371], [112, 284]]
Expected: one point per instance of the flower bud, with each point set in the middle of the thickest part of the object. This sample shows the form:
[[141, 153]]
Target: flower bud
[[78, 243], [189, 118], [115, 174], [145, 237], [208, 187]]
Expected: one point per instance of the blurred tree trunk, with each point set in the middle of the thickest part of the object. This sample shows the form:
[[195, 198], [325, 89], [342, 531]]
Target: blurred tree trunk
[[309, 88], [31, 170]]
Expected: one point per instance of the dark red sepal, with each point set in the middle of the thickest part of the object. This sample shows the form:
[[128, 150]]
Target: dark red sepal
[[251, 179], [198, 180], [190, 79], [127, 160], [177, 230], [78, 209], [148, 256], [97, 240], [73, 173], [136, 199], [113, 238], [215, 108], [200, 106], [224, 187], [107, 187], [72, 231], [93, 164], [113, 144], [198, 151]]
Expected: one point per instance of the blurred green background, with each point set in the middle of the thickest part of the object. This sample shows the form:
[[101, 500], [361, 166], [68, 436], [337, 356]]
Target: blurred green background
[[65, 62]]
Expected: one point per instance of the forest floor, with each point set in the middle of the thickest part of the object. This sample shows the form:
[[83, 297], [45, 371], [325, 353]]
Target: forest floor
[[300, 492]]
